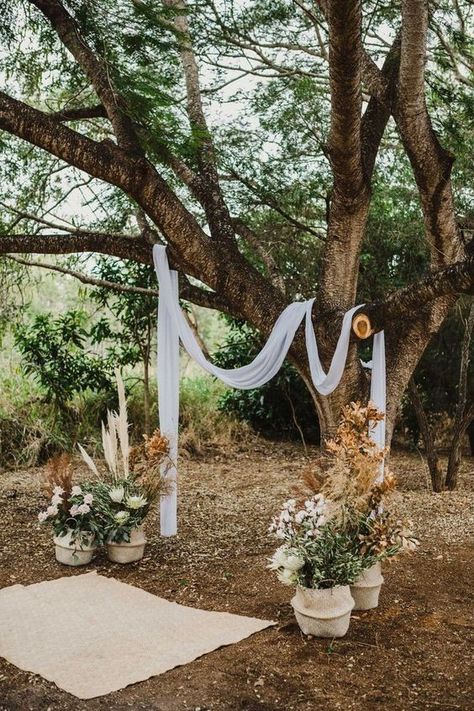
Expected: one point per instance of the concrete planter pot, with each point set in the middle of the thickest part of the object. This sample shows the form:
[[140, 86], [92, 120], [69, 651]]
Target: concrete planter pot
[[128, 552], [366, 589], [323, 613], [75, 552]]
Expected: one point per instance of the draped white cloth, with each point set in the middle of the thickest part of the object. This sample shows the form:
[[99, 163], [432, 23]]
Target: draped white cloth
[[173, 327]]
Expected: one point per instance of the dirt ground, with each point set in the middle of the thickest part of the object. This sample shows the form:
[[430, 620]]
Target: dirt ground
[[413, 652]]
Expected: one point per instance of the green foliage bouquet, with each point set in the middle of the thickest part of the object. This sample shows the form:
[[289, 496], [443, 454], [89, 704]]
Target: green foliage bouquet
[[316, 552]]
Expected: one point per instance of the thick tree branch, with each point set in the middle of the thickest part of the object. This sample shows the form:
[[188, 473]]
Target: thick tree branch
[[102, 160], [345, 52], [457, 278], [80, 113], [208, 189], [95, 70], [379, 109], [351, 190], [430, 162], [123, 247]]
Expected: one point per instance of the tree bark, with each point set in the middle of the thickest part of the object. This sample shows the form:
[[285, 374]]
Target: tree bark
[[434, 465], [464, 411]]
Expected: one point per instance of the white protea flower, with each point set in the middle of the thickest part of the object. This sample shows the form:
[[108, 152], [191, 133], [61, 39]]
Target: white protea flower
[[88, 499], [74, 510], [136, 502], [42, 516], [58, 491], [76, 490], [52, 511], [117, 494], [121, 517], [287, 576], [57, 499], [279, 558], [83, 509], [294, 562]]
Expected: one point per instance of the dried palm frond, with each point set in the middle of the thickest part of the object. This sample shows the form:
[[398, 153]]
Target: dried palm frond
[[58, 472], [347, 474]]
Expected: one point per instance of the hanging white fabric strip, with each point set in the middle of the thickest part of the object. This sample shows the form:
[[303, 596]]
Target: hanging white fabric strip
[[378, 391], [168, 402], [173, 326]]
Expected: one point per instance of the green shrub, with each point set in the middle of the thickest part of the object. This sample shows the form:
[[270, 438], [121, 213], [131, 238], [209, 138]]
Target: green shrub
[[282, 408]]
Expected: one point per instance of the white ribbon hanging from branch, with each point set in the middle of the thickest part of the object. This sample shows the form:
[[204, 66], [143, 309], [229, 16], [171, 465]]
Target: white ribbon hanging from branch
[[173, 327]]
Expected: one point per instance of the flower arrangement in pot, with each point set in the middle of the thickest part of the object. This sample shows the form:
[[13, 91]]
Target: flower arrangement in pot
[[336, 537], [134, 482], [361, 499], [316, 557], [72, 514]]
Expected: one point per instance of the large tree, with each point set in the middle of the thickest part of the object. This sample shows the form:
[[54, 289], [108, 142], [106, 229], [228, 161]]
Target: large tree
[[96, 85]]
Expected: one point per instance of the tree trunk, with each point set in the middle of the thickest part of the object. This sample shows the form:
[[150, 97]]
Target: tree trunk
[[434, 466], [463, 414], [470, 436], [454, 459]]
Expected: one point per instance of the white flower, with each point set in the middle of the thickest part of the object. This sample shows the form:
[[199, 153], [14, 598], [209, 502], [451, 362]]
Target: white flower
[[51, 511], [58, 491], [300, 516], [57, 499], [42, 516], [287, 576], [117, 494], [136, 502], [278, 559], [83, 509], [121, 517], [88, 499], [76, 491], [294, 562], [74, 510]]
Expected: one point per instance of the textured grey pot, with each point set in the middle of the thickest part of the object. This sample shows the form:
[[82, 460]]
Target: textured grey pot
[[128, 552], [323, 613], [366, 589], [79, 552]]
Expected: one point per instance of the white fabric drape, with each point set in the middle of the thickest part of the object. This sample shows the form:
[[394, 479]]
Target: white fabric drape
[[172, 327]]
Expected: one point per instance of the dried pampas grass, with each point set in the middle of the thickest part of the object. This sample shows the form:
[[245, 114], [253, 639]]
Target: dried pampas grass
[[114, 439]]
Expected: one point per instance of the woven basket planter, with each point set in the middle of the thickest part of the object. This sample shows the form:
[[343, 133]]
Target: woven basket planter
[[323, 613], [366, 589], [128, 552], [77, 552]]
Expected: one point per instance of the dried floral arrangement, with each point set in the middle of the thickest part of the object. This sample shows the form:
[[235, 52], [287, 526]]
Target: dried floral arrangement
[[71, 508], [341, 523], [134, 481]]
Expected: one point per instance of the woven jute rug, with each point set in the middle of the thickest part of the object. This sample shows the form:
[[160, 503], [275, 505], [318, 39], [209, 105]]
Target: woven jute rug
[[92, 635]]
